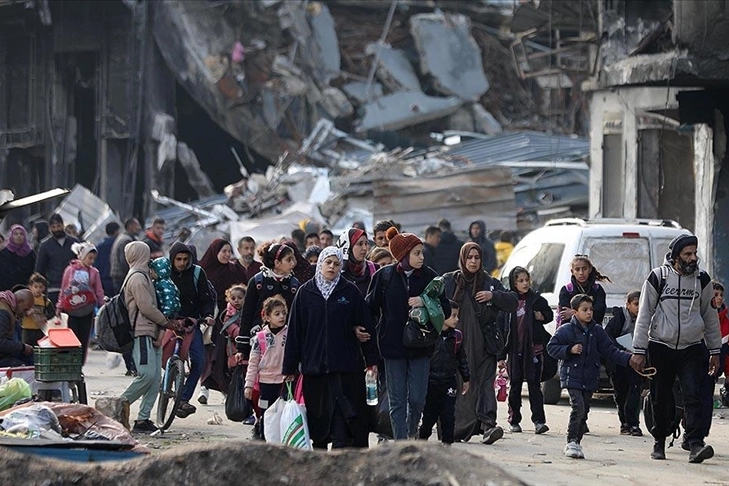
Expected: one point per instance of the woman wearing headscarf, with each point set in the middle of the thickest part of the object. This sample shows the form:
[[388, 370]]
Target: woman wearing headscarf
[[356, 268], [322, 345], [17, 259], [394, 291], [40, 231], [480, 297]]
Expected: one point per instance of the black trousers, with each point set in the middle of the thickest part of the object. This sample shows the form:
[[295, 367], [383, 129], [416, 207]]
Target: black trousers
[[580, 402], [440, 404], [270, 392], [532, 375], [691, 366], [626, 392], [81, 327]]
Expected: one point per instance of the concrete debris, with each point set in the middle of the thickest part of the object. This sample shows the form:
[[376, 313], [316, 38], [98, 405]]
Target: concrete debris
[[358, 90], [404, 109], [196, 176], [325, 35], [335, 103], [484, 121], [450, 54], [394, 68]]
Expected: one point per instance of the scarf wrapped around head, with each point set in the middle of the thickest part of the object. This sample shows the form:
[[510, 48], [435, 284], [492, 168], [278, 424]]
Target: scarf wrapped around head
[[82, 249], [22, 249], [326, 287], [9, 297], [346, 243], [464, 276]]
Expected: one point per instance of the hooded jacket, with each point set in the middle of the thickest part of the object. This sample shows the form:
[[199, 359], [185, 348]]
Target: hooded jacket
[[675, 310], [118, 266], [449, 358], [449, 249], [168, 296], [139, 293], [591, 288], [487, 246], [196, 301]]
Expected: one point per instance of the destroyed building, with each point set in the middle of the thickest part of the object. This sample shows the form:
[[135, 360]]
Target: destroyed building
[[145, 101], [658, 109]]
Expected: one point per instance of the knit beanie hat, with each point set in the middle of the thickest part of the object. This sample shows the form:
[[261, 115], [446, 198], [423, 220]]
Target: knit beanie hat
[[680, 242], [401, 243]]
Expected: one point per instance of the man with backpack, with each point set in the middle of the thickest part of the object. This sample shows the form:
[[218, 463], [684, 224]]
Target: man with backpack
[[197, 301], [147, 323], [675, 319]]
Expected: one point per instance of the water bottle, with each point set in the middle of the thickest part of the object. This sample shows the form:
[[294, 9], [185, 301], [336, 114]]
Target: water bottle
[[371, 387]]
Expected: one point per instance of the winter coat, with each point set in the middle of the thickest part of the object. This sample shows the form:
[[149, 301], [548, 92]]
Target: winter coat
[[53, 260], [582, 371], [446, 360], [196, 300], [321, 338], [16, 269], [168, 295], [535, 332], [676, 312], [103, 264], [118, 266], [10, 346], [139, 293], [266, 367], [429, 253], [593, 289], [487, 247], [389, 301], [449, 250], [155, 246], [78, 277], [618, 325], [361, 281]]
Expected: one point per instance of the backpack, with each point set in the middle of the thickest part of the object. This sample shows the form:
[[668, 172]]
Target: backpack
[[114, 330], [78, 299], [197, 270]]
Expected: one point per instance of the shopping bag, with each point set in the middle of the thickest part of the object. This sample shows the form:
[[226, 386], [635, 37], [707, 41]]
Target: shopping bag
[[294, 429], [272, 421], [237, 408], [13, 390]]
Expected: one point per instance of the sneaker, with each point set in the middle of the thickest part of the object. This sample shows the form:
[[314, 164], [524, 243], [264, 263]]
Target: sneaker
[[131, 373], [185, 409], [250, 420], [659, 450], [203, 397], [540, 428], [635, 431], [515, 428], [699, 453], [580, 454], [492, 434], [625, 429], [256, 434], [573, 450], [144, 427]]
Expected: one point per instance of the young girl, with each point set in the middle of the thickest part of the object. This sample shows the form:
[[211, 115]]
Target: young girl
[[231, 320], [267, 356], [584, 280], [525, 349]]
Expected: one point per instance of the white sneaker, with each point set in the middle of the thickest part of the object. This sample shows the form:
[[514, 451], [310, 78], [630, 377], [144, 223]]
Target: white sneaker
[[573, 450], [580, 454]]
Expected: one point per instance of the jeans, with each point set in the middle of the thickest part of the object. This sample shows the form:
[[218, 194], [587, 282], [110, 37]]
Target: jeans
[[580, 402], [690, 365], [626, 391], [486, 404], [532, 375], [146, 383], [440, 404], [407, 386], [197, 364]]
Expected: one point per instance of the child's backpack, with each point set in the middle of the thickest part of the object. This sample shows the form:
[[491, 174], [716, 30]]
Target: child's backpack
[[114, 330], [78, 299]]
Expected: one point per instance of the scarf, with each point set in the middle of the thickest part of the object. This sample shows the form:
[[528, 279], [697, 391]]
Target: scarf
[[464, 278], [22, 249], [152, 236], [9, 298], [82, 250], [346, 243], [326, 287], [222, 275], [268, 273]]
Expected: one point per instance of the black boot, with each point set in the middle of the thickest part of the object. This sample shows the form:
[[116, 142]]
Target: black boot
[[699, 453], [659, 450]]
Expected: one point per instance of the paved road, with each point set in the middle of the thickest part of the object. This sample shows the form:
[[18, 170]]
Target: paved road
[[536, 459]]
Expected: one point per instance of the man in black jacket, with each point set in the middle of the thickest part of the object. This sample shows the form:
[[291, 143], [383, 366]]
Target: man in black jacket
[[446, 259], [12, 351], [54, 254], [430, 244], [197, 303]]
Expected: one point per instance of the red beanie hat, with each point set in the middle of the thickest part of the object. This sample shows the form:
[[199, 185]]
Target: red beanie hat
[[401, 243]]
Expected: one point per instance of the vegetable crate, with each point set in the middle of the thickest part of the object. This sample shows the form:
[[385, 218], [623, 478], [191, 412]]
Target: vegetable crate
[[58, 364]]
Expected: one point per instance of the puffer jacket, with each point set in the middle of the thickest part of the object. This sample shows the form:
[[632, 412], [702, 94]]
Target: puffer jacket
[[139, 293], [448, 358], [582, 371], [676, 311], [168, 295]]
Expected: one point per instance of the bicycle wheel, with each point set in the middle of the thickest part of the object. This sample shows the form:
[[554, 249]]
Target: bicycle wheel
[[170, 393]]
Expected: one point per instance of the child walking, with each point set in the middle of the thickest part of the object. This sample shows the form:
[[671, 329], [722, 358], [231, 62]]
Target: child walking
[[584, 280], [626, 382], [580, 344], [231, 321], [448, 358], [267, 355], [43, 310], [525, 349]]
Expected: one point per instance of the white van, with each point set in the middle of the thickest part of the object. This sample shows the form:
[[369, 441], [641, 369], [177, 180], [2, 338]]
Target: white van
[[624, 250]]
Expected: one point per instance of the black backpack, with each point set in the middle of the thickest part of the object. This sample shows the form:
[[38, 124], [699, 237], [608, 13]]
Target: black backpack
[[114, 330]]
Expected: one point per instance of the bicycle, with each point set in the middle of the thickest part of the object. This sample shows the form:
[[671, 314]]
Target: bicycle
[[173, 382]]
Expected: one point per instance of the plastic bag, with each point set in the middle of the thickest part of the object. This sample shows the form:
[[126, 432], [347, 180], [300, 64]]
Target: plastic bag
[[237, 408], [293, 426], [12, 391], [272, 421], [113, 360], [32, 421]]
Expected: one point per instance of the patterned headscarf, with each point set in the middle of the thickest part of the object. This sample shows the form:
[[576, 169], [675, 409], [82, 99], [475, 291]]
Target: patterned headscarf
[[22, 249], [326, 287]]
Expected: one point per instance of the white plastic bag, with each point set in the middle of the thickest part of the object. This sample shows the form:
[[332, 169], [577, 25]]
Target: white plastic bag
[[113, 360], [272, 422], [30, 421], [294, 429]]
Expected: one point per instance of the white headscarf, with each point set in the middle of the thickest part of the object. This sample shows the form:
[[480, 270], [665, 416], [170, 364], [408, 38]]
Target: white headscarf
[[326, 287], [82, 249]]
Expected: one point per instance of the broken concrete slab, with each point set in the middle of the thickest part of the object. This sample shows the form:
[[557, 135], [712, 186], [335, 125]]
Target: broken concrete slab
[[404, 109], [325, 34], [393, 68], [449, 53], [484, 121], [116, 408], [358, 91], [335, 103], [198, 179]]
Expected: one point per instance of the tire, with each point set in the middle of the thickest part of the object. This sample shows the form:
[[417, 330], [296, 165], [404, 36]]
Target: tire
[[552, 391], [170, 393]]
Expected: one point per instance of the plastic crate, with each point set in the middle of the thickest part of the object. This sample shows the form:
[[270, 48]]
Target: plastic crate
[[58, 364]]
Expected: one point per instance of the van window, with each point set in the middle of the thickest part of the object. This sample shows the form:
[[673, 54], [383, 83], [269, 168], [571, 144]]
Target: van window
[[542, 260], [625, 260], [660, 248]]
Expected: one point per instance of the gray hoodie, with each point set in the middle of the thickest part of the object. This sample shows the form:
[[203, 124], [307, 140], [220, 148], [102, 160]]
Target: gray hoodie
[[681, 316]]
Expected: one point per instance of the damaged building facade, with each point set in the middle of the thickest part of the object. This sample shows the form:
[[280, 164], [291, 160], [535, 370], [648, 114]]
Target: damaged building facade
[[658, 118]]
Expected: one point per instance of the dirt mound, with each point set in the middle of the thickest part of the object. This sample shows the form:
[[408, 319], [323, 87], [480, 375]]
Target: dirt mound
[[261, 464]]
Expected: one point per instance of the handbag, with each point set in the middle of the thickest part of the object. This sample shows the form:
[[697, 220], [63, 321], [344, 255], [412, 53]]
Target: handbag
[[494, 340], [418, 336]]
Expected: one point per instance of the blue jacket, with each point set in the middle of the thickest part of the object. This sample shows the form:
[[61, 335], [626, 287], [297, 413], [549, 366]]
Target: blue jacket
[[321, 336], [103, 264], [582, 371]]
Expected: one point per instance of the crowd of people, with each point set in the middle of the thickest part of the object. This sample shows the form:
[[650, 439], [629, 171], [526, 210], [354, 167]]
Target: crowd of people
[[428, 316]]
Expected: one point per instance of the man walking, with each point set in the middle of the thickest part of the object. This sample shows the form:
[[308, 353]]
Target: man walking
[[118, 266], [246, 265], [54, 254], [103, 258], [675, 318]]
